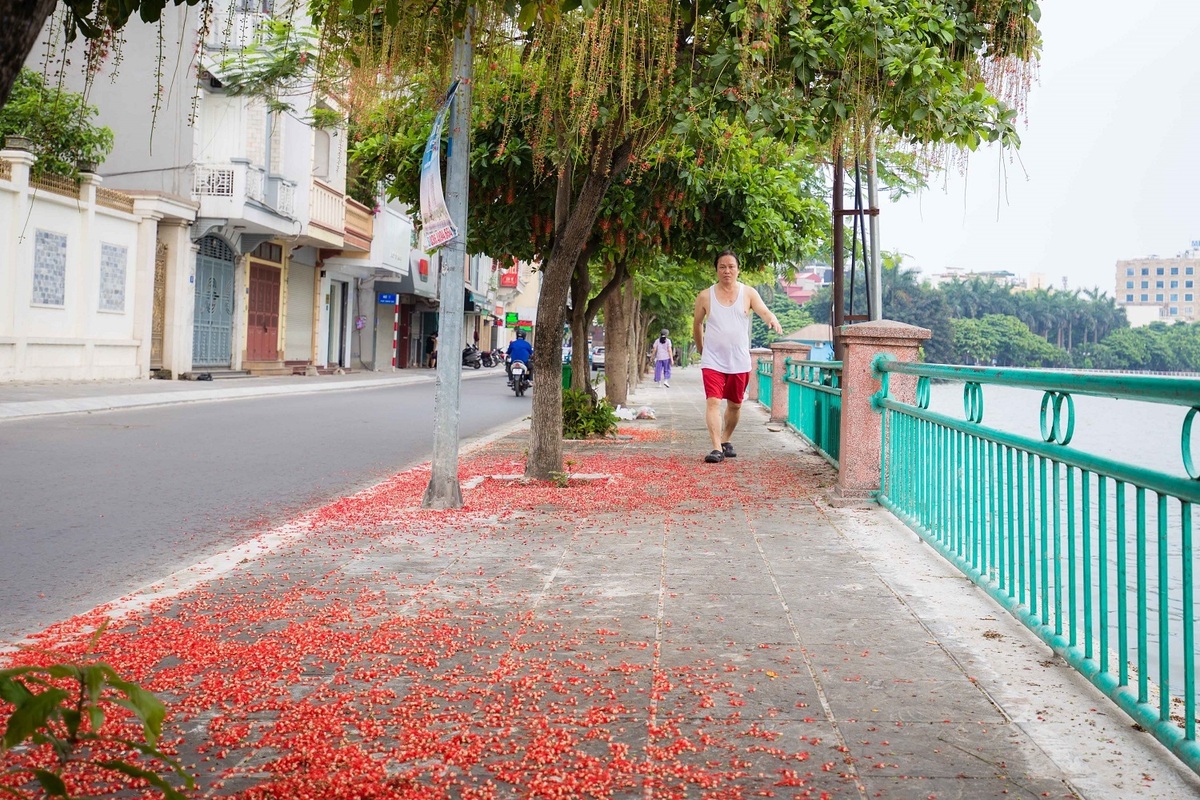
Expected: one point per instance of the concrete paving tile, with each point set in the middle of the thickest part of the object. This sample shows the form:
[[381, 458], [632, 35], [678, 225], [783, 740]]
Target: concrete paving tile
[[907, 700], [997, 788], [723, 584], [945, 750], [890, 657]]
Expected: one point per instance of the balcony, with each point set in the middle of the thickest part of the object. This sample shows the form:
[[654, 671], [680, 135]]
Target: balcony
[[239, 191], [232, 30], [360, 226], [326, 215]]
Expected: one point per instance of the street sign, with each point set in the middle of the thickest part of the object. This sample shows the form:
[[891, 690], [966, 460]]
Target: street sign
[[511, 318], [387, 299]]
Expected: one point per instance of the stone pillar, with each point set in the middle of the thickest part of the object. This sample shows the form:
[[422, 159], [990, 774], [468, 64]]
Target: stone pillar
[[859, 460], [756, 354], [780, 352]]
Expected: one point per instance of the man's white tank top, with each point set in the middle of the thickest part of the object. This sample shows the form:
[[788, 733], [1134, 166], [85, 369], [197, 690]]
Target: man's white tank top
[[727, 334]]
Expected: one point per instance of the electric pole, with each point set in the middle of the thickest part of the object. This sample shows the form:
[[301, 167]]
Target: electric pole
[[444, 490]]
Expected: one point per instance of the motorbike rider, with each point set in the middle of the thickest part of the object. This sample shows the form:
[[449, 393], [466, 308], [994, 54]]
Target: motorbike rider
[[519, 350]]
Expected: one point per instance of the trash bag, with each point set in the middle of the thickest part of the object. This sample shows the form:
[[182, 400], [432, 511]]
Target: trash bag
[[624, 413], [646, 412]]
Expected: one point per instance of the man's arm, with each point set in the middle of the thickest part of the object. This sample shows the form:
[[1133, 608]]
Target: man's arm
[[698, 321], [760, 308]]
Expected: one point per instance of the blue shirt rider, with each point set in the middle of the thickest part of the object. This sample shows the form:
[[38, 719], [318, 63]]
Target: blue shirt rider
[[519, 350]]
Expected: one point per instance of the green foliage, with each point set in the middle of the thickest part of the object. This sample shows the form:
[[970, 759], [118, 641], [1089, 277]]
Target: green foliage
[[792, 317], [1158, 347], [1003, 340], [58, 123], [64, 707], [585, 416]]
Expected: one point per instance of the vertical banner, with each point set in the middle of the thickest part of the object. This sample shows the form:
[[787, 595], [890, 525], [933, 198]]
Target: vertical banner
[[436, 225]]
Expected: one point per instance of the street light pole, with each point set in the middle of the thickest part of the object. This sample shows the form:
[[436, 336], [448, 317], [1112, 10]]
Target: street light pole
[[444, 490]]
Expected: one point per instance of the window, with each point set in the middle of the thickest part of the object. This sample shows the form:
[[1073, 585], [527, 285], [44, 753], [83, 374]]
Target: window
[[112, 277], [1174, 311], [321, 151], [1145, 270], [1189, 270], [1128, 298], [1174, 270], [1187, 298], [1128, 284], [1174, 298], [1158, 284], [1158, 298], [1174, 284], [1187, 284], [1129, 270], [1145, 284], [1145, 298], [1159, 271], [49, 269]]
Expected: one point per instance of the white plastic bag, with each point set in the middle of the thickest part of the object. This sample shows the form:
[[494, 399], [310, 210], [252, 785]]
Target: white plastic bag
[[646, 412], [624, 413]]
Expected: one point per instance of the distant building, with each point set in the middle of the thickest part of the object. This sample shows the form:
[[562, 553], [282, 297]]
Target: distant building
[[1165, 285], [808, 280], [1000, 276], [817, 336]]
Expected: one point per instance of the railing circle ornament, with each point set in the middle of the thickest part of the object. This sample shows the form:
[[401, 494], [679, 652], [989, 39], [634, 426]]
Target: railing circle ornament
[[1055, 428], [923, 392], [972, 401], [1186, 443]]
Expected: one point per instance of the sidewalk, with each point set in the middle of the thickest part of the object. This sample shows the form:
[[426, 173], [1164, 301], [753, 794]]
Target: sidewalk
[[656, 628], [32, 399]]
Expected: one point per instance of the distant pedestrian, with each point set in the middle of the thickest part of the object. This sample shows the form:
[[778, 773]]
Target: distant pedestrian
[[663, 353], [431, 351], [721, 329]]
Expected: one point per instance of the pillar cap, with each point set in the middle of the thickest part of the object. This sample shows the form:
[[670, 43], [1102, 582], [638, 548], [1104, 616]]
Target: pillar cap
[[789, 345], [884, 329]]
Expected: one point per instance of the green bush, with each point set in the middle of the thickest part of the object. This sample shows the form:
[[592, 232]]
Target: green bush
[[584, 417], [59, 124], [64, 706]]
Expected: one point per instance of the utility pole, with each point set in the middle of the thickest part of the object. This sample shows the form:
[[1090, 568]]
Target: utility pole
[[875, 283], [444, 490], [839, 257]]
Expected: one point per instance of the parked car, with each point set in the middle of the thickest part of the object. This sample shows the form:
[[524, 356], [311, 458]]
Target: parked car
[[598, 358]]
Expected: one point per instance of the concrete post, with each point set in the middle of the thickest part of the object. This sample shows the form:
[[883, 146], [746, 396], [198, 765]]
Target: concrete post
[[780, 352], [859, 460], [756, 354]]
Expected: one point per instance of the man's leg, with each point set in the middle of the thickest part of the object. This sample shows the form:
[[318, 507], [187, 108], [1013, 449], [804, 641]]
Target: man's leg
[[732, 412], [712, 415]]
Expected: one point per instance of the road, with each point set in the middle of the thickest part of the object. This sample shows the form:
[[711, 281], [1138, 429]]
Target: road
[[94, 506]]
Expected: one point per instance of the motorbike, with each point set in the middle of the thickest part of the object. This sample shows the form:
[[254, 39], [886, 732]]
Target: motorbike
[[489, 358], [471, 357], [520, 382]]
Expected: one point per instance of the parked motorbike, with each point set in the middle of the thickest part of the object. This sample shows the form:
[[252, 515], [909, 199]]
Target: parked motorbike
[[520, 382], [489, 358], [471, 357]]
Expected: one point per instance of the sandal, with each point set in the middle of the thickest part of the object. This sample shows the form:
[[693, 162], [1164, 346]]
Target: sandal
[[715, 457], [727, 450]]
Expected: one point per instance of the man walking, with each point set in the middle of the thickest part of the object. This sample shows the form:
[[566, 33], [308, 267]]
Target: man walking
[[663, 352], [721, 328]]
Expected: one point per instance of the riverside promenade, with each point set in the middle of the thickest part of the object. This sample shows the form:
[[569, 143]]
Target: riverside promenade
[[648, 626]]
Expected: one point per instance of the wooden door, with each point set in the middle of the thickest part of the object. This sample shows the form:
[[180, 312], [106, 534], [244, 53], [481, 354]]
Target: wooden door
[[262, 337]]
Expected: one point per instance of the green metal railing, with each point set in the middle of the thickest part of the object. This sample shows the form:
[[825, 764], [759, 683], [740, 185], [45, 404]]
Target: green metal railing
[[815, 404], [766, 369], [1095, 555]]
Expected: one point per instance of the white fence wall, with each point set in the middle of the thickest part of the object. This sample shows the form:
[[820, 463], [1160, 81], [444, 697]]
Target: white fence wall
[[69, 264]]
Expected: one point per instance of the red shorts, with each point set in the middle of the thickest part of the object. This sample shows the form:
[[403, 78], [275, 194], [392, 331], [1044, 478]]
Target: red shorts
[[724, 386]]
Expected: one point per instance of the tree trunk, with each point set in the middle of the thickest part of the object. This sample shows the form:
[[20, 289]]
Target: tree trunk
[[545, 445], [20, 24], [581, 287], [637, 337], [617, 349]]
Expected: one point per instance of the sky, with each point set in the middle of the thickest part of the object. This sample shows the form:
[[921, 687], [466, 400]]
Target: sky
[[1109, 164]]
